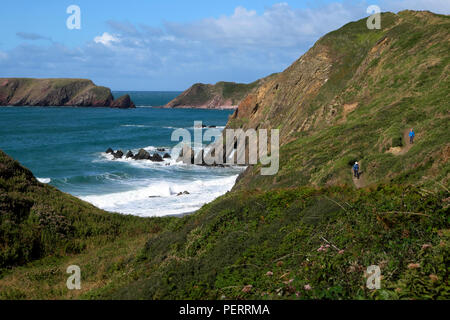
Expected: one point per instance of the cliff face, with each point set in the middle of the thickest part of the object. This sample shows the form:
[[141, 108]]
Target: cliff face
[[57, 92], [354, 96], [222, 95]]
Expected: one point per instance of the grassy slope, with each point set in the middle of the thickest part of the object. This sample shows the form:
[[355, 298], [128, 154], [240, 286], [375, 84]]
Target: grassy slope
[[50, 230], [201, 94], [278, 225], [236, 240], [396, 79]]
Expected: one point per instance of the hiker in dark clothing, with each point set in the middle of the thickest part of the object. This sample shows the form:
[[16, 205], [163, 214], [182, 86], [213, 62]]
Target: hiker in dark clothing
[[412, 135], [356, 170]]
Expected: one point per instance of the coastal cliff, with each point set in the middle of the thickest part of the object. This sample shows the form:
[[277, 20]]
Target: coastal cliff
[[354, 96], [309, 232], [58, 92], [222, 95]]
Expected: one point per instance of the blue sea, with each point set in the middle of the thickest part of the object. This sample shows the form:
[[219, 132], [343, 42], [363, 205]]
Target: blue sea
[[65, 147]]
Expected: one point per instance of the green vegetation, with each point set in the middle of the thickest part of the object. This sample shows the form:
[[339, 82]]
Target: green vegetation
[[37, 221], [215, 96], [236, 91], [201, 95], [310, 232], [271, 241], [395, 79], [235, 241]]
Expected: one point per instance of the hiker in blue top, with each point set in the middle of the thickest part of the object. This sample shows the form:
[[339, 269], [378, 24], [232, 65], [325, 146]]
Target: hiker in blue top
[[412, 135], [356, 170]]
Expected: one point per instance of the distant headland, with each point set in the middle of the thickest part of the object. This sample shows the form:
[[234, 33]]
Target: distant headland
[[222, 95], [58, 92]]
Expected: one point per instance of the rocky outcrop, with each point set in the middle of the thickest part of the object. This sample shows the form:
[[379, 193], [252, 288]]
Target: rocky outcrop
[[222, 95], [157, 158], [58, 92], [123, 102], [118, 154], [142, 155]]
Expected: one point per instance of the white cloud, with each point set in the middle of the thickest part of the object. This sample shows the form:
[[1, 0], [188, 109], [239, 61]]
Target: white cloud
[[242, 47], [278, 26], [106, 39]]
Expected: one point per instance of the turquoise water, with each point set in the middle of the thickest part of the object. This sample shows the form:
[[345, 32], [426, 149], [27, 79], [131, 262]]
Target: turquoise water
[[65, 147], [149, 99]]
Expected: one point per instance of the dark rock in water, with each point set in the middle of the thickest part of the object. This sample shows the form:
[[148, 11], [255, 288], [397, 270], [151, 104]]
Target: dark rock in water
[[167, 156], [182, 194], [118, 154], [212, 126], [157, 158], [124, 102], [130, 155], [152, 197], [110, 151], [142, 155], [161, 149]]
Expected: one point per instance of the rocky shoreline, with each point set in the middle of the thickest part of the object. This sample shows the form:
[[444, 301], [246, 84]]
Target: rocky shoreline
[[141, 155], [186, 155]]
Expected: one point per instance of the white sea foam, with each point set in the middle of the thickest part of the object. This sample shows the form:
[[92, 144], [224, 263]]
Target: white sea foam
[[135, 126], [44, 180], [143, 163], [158, 194], [160, 198], [191, 128]]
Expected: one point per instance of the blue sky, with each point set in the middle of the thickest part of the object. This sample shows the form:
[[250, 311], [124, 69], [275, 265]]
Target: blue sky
[[169, 45]]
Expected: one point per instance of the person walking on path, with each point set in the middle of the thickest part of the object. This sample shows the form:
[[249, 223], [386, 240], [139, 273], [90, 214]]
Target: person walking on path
[[356, 170], [412, 135]]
